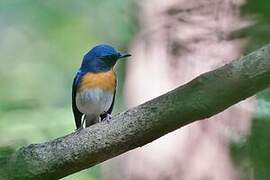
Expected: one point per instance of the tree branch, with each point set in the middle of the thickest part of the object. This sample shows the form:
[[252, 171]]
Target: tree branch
[[201, 98]]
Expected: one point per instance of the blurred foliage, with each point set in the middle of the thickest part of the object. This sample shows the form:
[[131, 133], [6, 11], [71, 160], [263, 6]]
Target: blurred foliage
[[259, 12], [42, 43], [252, 155], [41, 47]]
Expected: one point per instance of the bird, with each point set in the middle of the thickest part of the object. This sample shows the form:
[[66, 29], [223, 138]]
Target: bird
[[94, 86]]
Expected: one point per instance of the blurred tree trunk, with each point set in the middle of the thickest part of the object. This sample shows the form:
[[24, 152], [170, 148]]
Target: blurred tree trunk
[[177, 41]]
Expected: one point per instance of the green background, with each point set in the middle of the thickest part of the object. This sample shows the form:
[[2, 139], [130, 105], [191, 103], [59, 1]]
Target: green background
[[41, 47]]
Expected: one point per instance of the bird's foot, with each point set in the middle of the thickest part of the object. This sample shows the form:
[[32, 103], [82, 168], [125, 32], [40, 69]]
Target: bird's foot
[[100, 120], [108, 118], [82, 124], [79, 129]]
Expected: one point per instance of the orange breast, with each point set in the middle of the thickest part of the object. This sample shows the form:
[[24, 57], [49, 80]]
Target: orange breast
[[103, 80]]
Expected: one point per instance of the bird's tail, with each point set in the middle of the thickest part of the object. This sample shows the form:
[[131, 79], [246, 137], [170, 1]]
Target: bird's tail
[[90, 120]]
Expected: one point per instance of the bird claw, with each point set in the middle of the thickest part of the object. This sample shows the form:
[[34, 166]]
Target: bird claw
[[100, 120], [79, 129], [106, 117]]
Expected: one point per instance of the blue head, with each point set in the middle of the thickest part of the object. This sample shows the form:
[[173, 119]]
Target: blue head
[[101, 58]]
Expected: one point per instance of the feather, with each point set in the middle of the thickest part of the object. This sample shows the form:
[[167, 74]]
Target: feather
[[77, 114]]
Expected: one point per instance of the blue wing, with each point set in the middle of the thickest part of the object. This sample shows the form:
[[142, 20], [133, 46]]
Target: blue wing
[[77, 114]]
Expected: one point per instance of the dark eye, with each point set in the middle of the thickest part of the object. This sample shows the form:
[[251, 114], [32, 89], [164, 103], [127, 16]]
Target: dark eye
[[109, 57]]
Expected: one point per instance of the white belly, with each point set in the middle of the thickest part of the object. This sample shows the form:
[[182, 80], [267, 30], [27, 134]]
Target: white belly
[[94, 101]]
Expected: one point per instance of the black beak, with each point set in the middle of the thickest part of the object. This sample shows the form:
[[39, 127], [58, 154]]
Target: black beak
[[124, 55]]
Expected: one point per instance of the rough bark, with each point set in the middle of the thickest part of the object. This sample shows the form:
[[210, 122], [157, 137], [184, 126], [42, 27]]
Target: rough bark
[[177, 41], [201, 98]]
